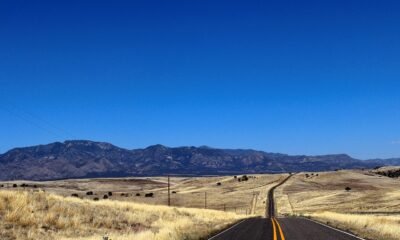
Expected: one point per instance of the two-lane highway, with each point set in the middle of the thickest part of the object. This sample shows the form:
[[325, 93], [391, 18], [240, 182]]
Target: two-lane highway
[[253, 228], [272, 228], [270, 209]]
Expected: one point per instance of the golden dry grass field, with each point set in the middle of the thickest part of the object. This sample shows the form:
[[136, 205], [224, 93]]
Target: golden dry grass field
[[223, 193], [371, 208], [40, 215], [46, 210]]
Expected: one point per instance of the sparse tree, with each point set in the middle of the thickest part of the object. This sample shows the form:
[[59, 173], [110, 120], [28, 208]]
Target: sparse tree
[[149, 195]]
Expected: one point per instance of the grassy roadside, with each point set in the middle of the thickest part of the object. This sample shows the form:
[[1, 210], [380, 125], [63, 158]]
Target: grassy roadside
[[370, 226], [39, 215]]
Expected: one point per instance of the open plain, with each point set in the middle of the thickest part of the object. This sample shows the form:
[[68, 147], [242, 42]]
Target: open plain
[[359, 201], [242, 194]]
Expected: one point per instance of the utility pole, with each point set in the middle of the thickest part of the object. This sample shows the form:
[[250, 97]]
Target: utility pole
[[169, 192], [257, 197], [254, 202], [205, 200]]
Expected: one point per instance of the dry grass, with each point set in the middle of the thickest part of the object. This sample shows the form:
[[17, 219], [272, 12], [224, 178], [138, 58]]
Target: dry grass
[[240, 197], [54, 215], [39, 215], [370, 226], [231, 195], [371, 208], [369, 193]]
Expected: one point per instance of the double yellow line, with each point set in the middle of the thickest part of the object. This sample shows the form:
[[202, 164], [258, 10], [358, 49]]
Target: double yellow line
[[276, 225]]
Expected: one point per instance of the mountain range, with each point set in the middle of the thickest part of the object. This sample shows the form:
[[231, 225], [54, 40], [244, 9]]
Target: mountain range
[[88, 159]]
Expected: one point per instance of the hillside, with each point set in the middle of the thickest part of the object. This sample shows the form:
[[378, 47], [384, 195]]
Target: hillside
[[86, 159]]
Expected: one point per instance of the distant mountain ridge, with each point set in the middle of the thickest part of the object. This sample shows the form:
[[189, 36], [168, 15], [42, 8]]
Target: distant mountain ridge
[[86, 159]]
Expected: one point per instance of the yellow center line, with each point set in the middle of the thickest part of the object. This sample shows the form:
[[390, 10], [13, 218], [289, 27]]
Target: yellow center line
[[280, 230], [274, 228]]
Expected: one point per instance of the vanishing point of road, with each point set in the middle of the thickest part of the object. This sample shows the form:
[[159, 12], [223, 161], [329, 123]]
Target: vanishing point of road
[[286, 228]]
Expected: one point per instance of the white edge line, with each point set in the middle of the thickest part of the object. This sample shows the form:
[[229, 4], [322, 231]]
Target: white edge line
[[352, 235], [228, 229]]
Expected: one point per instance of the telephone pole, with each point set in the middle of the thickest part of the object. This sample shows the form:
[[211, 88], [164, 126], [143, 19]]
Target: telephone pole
[[169, 192], [205, 200]]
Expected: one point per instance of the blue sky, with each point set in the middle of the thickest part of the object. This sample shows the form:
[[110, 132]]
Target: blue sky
[[297, 77]]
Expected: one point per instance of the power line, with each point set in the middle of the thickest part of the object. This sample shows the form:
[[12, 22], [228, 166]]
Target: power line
[[30, 122], [34, 120]]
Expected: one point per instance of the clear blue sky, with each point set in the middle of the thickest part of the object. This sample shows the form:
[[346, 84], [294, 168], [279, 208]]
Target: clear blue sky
[[297, 77]]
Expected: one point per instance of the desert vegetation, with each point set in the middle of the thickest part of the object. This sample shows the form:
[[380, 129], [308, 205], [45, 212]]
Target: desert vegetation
[[40, 215]]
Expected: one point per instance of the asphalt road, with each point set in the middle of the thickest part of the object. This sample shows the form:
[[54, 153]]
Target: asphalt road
[[253, 228], [272, 228]]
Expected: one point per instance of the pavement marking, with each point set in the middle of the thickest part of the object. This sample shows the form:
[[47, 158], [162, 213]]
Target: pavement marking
[[274, 228], [237, 224], [352, 235], [280, 229]]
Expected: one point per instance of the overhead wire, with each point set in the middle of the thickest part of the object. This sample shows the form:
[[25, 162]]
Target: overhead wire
[[33, 119]]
